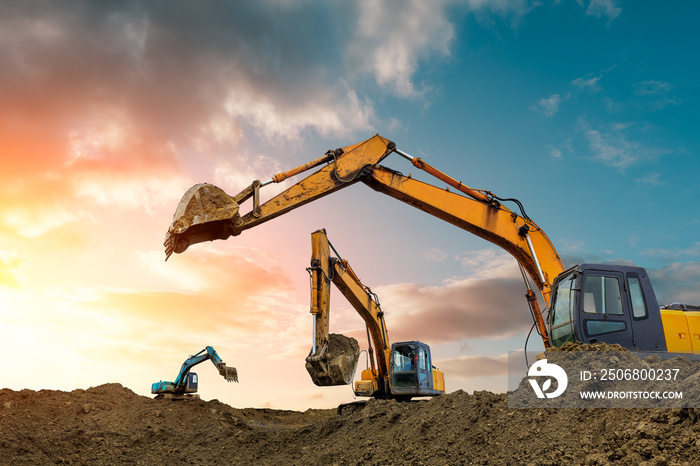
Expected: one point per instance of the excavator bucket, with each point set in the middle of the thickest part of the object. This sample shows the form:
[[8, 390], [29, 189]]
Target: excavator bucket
[[204, 213], [228, 373], [335, 363]]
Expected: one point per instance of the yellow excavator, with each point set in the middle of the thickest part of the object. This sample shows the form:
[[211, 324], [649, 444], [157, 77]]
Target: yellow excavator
[[588, 303], [400, 370], [207, 213]]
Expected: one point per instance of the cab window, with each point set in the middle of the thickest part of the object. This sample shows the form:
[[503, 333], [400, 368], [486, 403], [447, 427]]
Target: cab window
[[561, 327], [404, 358], [404, 362], [423, 362], [423, 366], [600, 327], [639, 304], [601, 295]]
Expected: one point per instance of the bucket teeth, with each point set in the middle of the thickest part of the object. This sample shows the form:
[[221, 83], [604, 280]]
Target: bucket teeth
[[169, 245], [228, 373], [203, 214]]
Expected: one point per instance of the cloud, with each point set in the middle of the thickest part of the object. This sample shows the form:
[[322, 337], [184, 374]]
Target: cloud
[[589, 84], [32, 223], [134, 90], [488, 304], [512, 10], [675, 253], [435, 255], [550, 106], [652, 179], [12, 264], [488, 263], [135, 99], [555, 152], [237, 294], [146, 193], [392, 36], [469, 367], [651, 87], [655, 94], [213, 269], [677, 282], [611, 146], [603, 8]]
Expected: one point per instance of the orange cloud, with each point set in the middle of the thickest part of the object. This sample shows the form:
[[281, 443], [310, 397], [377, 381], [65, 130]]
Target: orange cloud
[[11, 265], [221, 290], [466, 308], [470, 367]]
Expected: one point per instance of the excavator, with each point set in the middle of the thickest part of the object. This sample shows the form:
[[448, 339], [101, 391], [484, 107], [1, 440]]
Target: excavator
[[399, 371], [186, 382], [587, 303]]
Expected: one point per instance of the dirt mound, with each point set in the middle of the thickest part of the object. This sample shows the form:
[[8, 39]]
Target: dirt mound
[[571, 346], [624, 379], [110, 424]]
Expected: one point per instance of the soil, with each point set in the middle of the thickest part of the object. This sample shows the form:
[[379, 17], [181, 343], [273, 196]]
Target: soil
[[571, 346], [612, 369], [110, 424], [340, 344], [336, 362], [205, 203]]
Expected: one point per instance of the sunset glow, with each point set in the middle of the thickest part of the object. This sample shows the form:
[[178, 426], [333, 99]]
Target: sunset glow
[[111, 111]]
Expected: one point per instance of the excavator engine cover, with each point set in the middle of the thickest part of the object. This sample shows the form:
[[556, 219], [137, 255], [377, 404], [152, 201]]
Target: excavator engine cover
[[335, 363], [204, 213]]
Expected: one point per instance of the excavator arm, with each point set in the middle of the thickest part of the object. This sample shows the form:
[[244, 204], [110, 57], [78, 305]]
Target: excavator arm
[[180, 383], [228, 373], [398, 370], [333, 358], [206, 212]]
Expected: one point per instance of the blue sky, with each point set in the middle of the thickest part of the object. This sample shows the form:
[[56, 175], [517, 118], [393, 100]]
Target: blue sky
[[585, 110]]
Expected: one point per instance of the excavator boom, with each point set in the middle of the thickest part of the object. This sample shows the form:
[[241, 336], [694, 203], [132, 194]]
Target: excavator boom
[[333, 357], [206, 212]]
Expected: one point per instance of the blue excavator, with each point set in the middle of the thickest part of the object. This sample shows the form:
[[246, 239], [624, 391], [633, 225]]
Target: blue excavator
[[185, 385]]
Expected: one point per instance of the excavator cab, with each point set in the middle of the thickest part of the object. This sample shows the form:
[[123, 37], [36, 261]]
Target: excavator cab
[[607, 303], [411, 371], [192, 383]]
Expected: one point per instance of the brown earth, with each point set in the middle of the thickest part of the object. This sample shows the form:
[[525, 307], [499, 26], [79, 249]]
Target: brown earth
[[571, 346], [336, 362], [110, 424], [614, 370]]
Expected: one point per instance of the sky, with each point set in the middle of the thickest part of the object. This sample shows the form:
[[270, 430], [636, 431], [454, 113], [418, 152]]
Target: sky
[[584, 110]]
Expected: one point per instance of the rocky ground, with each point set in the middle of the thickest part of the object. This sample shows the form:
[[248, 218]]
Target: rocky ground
[[110, 424]]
